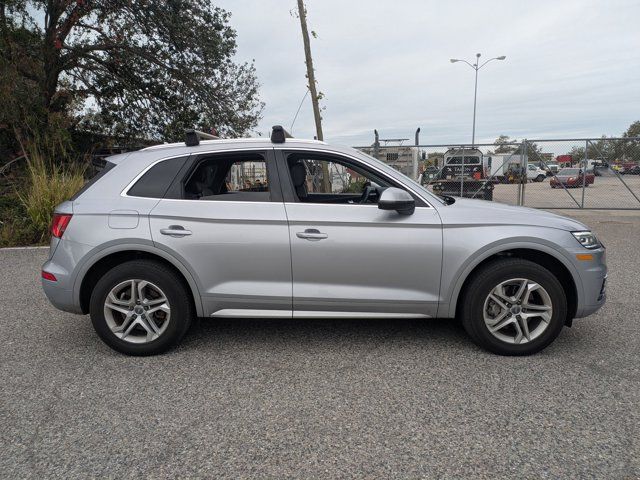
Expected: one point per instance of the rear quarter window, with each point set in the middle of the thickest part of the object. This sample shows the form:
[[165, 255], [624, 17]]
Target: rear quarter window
[[156, 181]]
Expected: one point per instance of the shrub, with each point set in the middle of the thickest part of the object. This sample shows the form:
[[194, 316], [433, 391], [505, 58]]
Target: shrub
[[47, 186]]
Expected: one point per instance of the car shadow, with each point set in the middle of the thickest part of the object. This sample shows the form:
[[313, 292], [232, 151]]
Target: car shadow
[[258, 331]]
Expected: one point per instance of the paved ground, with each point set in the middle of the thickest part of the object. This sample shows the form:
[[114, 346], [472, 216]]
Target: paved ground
[[322, 398]]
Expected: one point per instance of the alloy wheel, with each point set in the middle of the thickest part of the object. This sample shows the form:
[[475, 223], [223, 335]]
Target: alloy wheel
[[517, 311], [137, 311]]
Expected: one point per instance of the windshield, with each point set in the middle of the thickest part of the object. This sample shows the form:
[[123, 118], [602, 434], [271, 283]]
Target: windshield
[[569, 171]]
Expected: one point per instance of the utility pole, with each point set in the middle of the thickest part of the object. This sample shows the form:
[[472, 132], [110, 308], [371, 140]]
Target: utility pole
[[302, 14]]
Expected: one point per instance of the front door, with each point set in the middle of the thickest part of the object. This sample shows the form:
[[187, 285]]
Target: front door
[[348, 257], [224, 218]]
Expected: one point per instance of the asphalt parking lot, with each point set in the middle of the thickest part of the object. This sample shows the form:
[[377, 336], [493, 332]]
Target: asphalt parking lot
[[321, 398], [605, 192]]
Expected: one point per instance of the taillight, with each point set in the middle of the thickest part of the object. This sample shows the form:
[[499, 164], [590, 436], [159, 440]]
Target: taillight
[[59, 224]]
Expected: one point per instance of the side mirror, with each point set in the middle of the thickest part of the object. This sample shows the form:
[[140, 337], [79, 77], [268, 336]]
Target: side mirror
[[398, 200]]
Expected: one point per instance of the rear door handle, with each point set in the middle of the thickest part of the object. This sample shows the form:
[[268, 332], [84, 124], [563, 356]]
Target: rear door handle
[[312, 234], [175, 231]]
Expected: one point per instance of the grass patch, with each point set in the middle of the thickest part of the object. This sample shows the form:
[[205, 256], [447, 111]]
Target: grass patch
[[29, 197], [48, 186]]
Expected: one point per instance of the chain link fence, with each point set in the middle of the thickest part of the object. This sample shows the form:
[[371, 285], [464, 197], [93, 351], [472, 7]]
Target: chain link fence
[[596, 173]]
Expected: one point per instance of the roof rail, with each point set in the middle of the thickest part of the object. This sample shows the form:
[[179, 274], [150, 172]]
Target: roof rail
[[192, 137], [278, 134]]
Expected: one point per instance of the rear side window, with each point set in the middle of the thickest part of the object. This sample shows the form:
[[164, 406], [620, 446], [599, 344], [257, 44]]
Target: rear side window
[[155, 182], [240, 178], [107, 166]]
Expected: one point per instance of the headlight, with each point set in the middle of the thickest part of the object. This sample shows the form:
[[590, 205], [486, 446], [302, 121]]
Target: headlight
[[586, 239]]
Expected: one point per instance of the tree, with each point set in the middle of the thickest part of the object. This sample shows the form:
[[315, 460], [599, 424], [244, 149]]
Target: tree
[[629, 150], [533, 151], [145, 68], [505, 144], [633, 130]]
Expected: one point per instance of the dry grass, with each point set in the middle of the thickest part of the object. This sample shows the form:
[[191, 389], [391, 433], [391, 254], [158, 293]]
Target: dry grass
[[47, 186]]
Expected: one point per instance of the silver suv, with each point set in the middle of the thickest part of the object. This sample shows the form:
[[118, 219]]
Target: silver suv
[[301, 229]]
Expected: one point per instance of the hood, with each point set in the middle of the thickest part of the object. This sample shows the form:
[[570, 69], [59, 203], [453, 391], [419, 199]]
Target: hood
[[481, 212]]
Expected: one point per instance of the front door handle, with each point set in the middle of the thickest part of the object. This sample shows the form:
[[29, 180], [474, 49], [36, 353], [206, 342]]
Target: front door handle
[[175, 231], [312, 234]]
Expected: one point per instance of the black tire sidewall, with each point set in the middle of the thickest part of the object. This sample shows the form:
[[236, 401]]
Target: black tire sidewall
[[486, 281], [171, 286]]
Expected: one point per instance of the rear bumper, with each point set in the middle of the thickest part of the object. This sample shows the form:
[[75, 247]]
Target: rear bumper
[[59, 297]]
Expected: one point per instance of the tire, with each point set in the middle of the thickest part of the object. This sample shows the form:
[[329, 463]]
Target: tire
[[540, 178], [165, 320], [476, 302]]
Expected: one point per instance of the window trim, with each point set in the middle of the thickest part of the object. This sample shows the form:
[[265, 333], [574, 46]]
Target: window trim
[[291, 197], [269, 156]]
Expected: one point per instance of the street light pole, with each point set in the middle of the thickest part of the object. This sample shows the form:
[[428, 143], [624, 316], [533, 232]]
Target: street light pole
[[476, 66], [475, 98]]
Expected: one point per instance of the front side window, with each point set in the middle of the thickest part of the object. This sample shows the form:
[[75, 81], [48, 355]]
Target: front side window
[[318, 179], [230, 179]]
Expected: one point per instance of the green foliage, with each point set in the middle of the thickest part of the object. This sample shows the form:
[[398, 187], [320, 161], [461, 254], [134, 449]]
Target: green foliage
[[28, 201], [356, 186], [49, 185], [633, 130], [503, 146], [15, 227], [132, 69]]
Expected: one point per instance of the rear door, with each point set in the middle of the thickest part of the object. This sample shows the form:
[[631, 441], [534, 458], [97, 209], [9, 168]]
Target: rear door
[[224, 219], [349, 258]]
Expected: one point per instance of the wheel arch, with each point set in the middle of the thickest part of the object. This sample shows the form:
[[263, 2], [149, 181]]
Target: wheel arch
[[98, 264], [540, 254]]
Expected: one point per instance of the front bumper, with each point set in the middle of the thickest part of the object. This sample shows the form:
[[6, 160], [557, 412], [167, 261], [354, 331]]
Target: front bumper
[[593, 274]]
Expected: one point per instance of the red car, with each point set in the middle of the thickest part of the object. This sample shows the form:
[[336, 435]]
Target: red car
[[571, 177]]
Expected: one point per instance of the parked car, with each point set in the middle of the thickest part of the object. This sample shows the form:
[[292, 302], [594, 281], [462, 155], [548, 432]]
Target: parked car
[[572, 177], [252, 228], [635, 170]]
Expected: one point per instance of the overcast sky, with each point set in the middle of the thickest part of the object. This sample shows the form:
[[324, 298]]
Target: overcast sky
[[572, 67]]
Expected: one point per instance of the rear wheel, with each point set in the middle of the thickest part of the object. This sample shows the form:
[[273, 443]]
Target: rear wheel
[[140, 308], [514, 307]]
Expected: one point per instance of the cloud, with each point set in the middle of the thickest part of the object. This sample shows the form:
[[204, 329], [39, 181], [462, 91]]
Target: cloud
[[572, 67]]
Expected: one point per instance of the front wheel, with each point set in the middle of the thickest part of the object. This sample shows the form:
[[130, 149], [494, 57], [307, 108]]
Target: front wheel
[[140, 308], [540, 178], [514, 307]]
